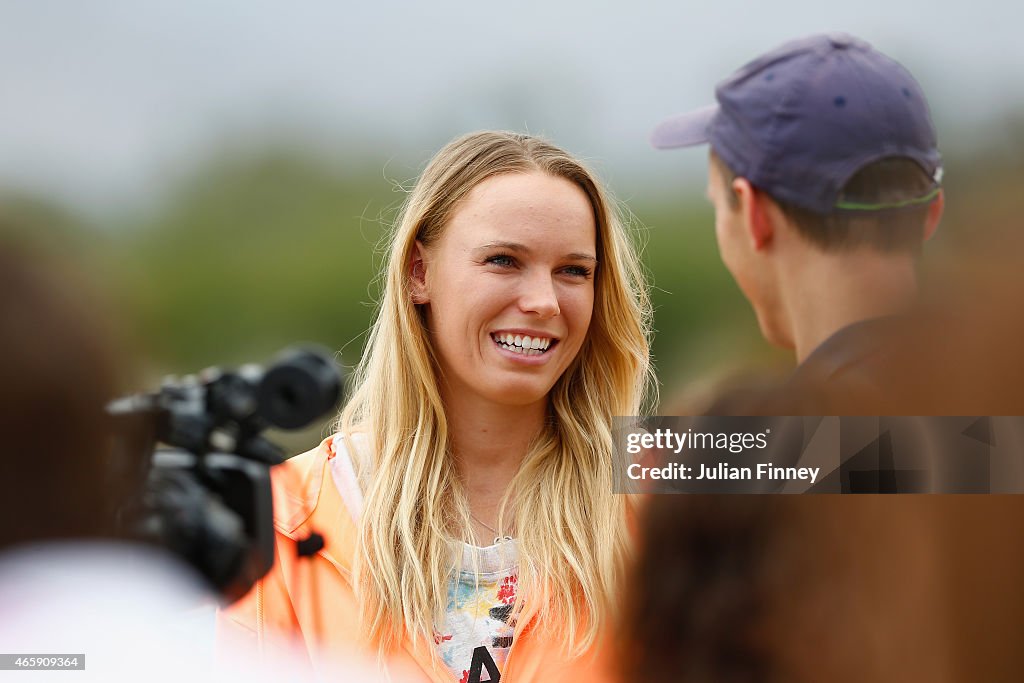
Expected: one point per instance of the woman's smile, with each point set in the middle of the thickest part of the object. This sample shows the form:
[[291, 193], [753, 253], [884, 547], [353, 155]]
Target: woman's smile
[[529, 346]]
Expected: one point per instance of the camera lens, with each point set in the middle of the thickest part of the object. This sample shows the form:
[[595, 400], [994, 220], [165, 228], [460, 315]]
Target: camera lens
[[299, 387]]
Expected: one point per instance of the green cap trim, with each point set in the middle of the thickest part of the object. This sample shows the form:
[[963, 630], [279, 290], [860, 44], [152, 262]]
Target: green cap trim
[[858, 206]]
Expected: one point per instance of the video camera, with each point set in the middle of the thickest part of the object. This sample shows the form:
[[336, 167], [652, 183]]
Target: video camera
[[205, 494]]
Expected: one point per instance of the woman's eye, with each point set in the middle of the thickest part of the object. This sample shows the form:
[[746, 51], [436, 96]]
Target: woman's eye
[[578, 271], [501, 260]]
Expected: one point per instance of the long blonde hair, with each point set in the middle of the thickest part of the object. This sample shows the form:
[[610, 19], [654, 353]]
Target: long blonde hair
[[572, 530]]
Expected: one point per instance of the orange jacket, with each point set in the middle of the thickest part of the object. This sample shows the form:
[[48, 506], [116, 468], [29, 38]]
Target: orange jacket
[[311, 600]]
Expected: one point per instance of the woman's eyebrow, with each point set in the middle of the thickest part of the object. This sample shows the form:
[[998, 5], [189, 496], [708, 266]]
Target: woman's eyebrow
[[576, 256], [516, 246], [511, 246]]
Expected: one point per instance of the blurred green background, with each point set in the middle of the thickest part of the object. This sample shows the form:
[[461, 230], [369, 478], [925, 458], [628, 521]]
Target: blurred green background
[[250, 252], [225, 172]]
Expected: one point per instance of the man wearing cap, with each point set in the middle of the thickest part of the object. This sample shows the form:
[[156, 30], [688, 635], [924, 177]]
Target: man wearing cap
[[824, 175]]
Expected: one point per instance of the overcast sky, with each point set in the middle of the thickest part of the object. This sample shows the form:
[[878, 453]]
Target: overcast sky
[[103, 101]]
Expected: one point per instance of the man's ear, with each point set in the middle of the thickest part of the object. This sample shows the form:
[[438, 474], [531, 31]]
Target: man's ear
[[757, 219], [418, 274], [935, 209]]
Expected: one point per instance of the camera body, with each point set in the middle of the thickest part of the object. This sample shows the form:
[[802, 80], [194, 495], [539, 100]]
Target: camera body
[[196, 449]]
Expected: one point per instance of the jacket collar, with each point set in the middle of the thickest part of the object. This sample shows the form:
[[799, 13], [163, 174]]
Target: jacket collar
[[305, 503], [306, 500]]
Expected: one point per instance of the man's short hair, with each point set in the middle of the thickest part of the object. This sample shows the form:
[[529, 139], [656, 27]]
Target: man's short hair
[[888, 181]]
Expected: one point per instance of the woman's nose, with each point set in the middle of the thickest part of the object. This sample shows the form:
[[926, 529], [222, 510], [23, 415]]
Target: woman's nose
[[538, 296]]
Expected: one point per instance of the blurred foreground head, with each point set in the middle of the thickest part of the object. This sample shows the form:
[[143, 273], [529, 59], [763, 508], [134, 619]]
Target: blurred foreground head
[[57, 371], [826, 588]]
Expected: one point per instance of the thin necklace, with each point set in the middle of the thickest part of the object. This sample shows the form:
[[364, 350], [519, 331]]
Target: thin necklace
[[498, 538]]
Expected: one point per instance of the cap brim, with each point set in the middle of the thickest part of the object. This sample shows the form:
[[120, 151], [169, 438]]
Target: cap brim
[[685, 130]]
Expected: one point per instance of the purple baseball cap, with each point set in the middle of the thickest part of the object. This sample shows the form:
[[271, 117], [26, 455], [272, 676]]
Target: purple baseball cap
[[799, 121]]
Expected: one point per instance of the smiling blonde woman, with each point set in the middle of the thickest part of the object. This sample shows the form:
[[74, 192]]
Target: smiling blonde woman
[[466, 507]]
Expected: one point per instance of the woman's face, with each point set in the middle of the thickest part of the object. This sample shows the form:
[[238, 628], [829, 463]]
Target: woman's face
[[509, 287]]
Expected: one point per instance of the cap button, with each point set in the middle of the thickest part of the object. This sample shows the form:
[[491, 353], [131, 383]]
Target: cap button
[[840, 40]]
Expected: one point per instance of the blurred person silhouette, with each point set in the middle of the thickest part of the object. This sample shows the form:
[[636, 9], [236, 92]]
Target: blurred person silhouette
[[69, 583], [836, 588], [824, 175], [825, 588], [72, 580], [59, 370], [465, 504]]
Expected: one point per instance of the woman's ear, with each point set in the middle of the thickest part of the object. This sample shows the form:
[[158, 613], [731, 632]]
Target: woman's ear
[[418, 274]]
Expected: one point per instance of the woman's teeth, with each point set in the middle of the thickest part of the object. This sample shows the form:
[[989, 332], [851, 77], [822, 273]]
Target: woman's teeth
[[528, 346]]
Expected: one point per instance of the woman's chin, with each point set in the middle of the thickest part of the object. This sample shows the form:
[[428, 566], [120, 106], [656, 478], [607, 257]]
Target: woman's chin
[[519, 394]]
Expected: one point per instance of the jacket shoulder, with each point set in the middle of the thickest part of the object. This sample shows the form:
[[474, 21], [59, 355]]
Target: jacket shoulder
[[297, 484]]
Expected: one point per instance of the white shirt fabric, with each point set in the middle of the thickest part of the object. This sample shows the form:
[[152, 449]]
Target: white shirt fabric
[[136, 613]]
